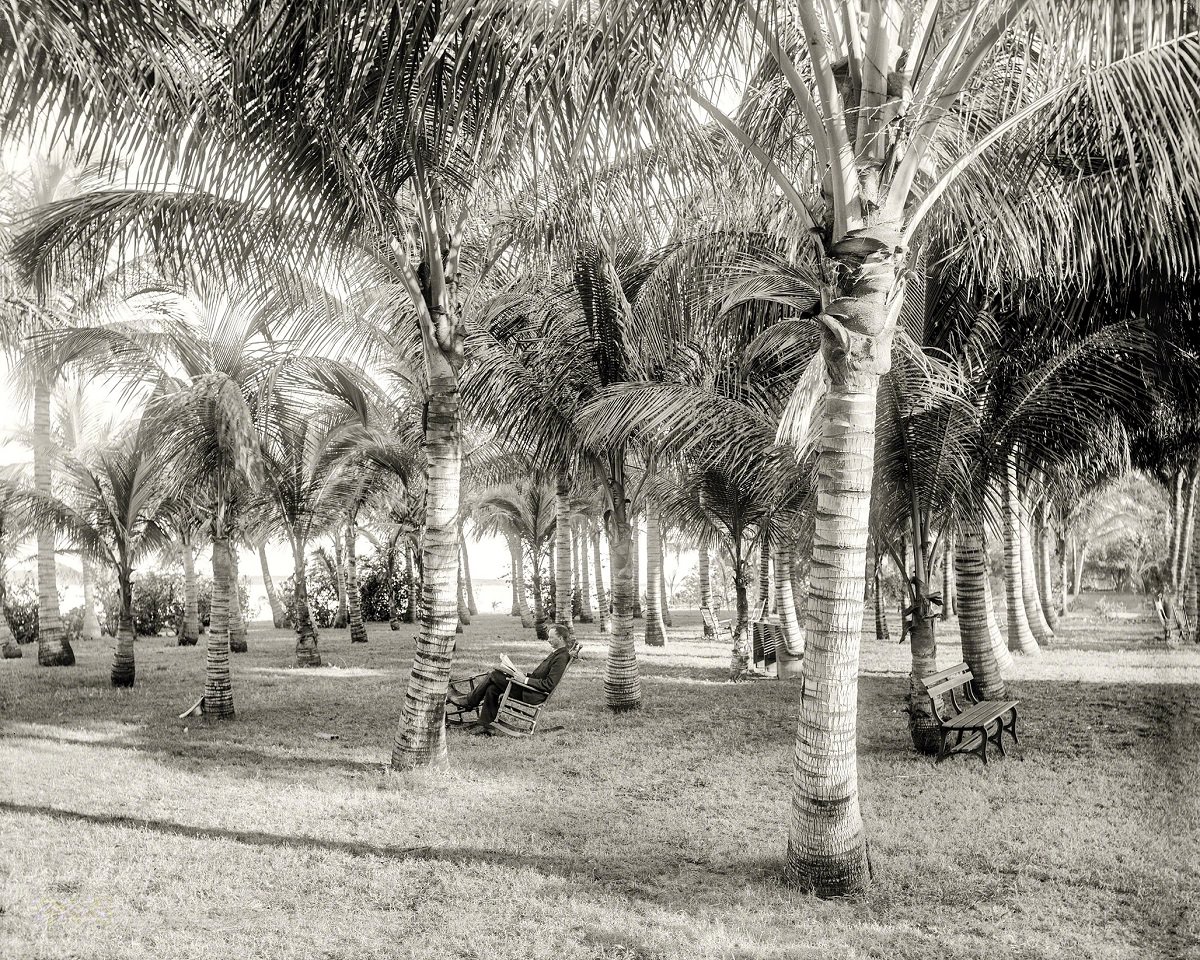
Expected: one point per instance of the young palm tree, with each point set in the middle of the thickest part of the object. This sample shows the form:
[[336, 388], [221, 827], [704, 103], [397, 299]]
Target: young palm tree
[[109, 509]]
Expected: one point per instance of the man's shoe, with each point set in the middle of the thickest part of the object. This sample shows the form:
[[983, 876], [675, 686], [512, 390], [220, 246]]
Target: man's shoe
[[480, 730]]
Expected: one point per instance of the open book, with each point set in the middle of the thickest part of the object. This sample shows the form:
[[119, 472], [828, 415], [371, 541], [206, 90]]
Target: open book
[[508, 667]]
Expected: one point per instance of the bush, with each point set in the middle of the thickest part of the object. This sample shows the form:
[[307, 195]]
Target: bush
[[372, 587], [158, 603], [322, 597], [21, 610]]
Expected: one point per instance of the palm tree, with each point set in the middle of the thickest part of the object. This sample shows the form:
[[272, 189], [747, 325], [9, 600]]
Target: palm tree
[[110, 511]]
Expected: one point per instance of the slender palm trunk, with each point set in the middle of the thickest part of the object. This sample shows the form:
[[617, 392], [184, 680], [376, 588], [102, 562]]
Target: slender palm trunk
[[882, 633], [562, 550], [1080, 559], [970, 560], [339, 573], [393, 598], [514, 559], [278, 613], [790, 659], [237, 622], [358, 629], [1065, 585], [636, 534], [539, 606], [91, 623], [191, 600], [656, 630], [516, 554], [54, 649], [468, 583], [603, 604], [464, 612], [663, 606], [922, 723], [1029, 587], [622, 681], [1020, 637], [999, 642], [826, 842], [123, 668], [739, 659], [586, 614], [762, 603], [576, 595], [307, 654], [1046, 574], [218, 684], [705, 574], [421, 736], [949, 591], [410, 597]]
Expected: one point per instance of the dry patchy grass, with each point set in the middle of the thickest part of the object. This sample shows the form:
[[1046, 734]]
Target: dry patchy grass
[[125, 832]]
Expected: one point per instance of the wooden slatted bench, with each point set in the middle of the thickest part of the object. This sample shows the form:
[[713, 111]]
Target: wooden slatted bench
[[767, 637], [978, 721]]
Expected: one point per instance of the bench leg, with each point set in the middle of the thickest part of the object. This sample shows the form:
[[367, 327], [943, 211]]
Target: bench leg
[[999, 737], [983, 742], [1012, 726], [943, 752]]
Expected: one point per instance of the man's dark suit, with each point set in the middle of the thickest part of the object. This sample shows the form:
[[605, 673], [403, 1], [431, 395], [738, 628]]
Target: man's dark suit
[[543, 678]]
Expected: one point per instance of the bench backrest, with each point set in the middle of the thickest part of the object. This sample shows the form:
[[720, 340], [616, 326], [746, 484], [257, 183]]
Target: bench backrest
[[765, 640], [948, 680], [710, 619]]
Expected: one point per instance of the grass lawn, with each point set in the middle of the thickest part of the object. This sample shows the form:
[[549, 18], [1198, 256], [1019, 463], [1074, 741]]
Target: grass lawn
[[125, 832]]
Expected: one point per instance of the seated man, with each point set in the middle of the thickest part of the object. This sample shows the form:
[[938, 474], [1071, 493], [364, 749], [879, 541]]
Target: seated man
[[543, 678]]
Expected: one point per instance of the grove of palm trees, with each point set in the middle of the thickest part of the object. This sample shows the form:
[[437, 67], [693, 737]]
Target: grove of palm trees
[[743, 367]]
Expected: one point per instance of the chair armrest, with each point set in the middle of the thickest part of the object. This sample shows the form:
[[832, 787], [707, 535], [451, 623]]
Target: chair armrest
[[472, 682], [514, 682]]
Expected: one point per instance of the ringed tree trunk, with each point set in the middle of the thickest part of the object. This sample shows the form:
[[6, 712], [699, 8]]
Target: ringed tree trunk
[[656, 630], [1020, 636], [307, 654], [1046, 568], [562, 550], [762, 603], [393, 600], [358, 629], [586, 615], [54, 649], [191, 600], [91, 623], [603, 604], [421, 735], [1064, 586], [339, 571], [218, 685], [922, 723], [636, 535], [576, 595], [1080, 559], [882, 633], [739, 661], [664, 608], [278, 613], [970, 559], [539, 605], [705, 574], [410, 599], [516, 554], [790, 659], [622, 681], [237, 622], [949, 591], [1029, 586], [468, 586], [999, 642], [464, 612], [123, 668], [827, 851], [513, 561]]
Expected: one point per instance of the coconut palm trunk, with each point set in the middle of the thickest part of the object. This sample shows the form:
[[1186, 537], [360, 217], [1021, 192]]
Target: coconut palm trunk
[[970, 560], [576, 595], [342, 618], [622, 680], [790, 659], [307, 654], [54, 649], [514, 559], [663, 606], [218, 684], [603, 603], [562, 550], [762, 603], [949, 584], [826, 842], [704, 572], [190, 634], [421, 735], [539, 605], [237, 620], [123, 668], [739, 659], [999, 641], [393, 598], [358, 629], [278, 612], [410, 597], [882, 633], [656, 630], [468, 584], [1020, 636], [464, 612], [91, 623], [1065, 584], [516, 553], [922, 723], [586, 613], [1046, 571], [636, 536], [1029, 587]]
